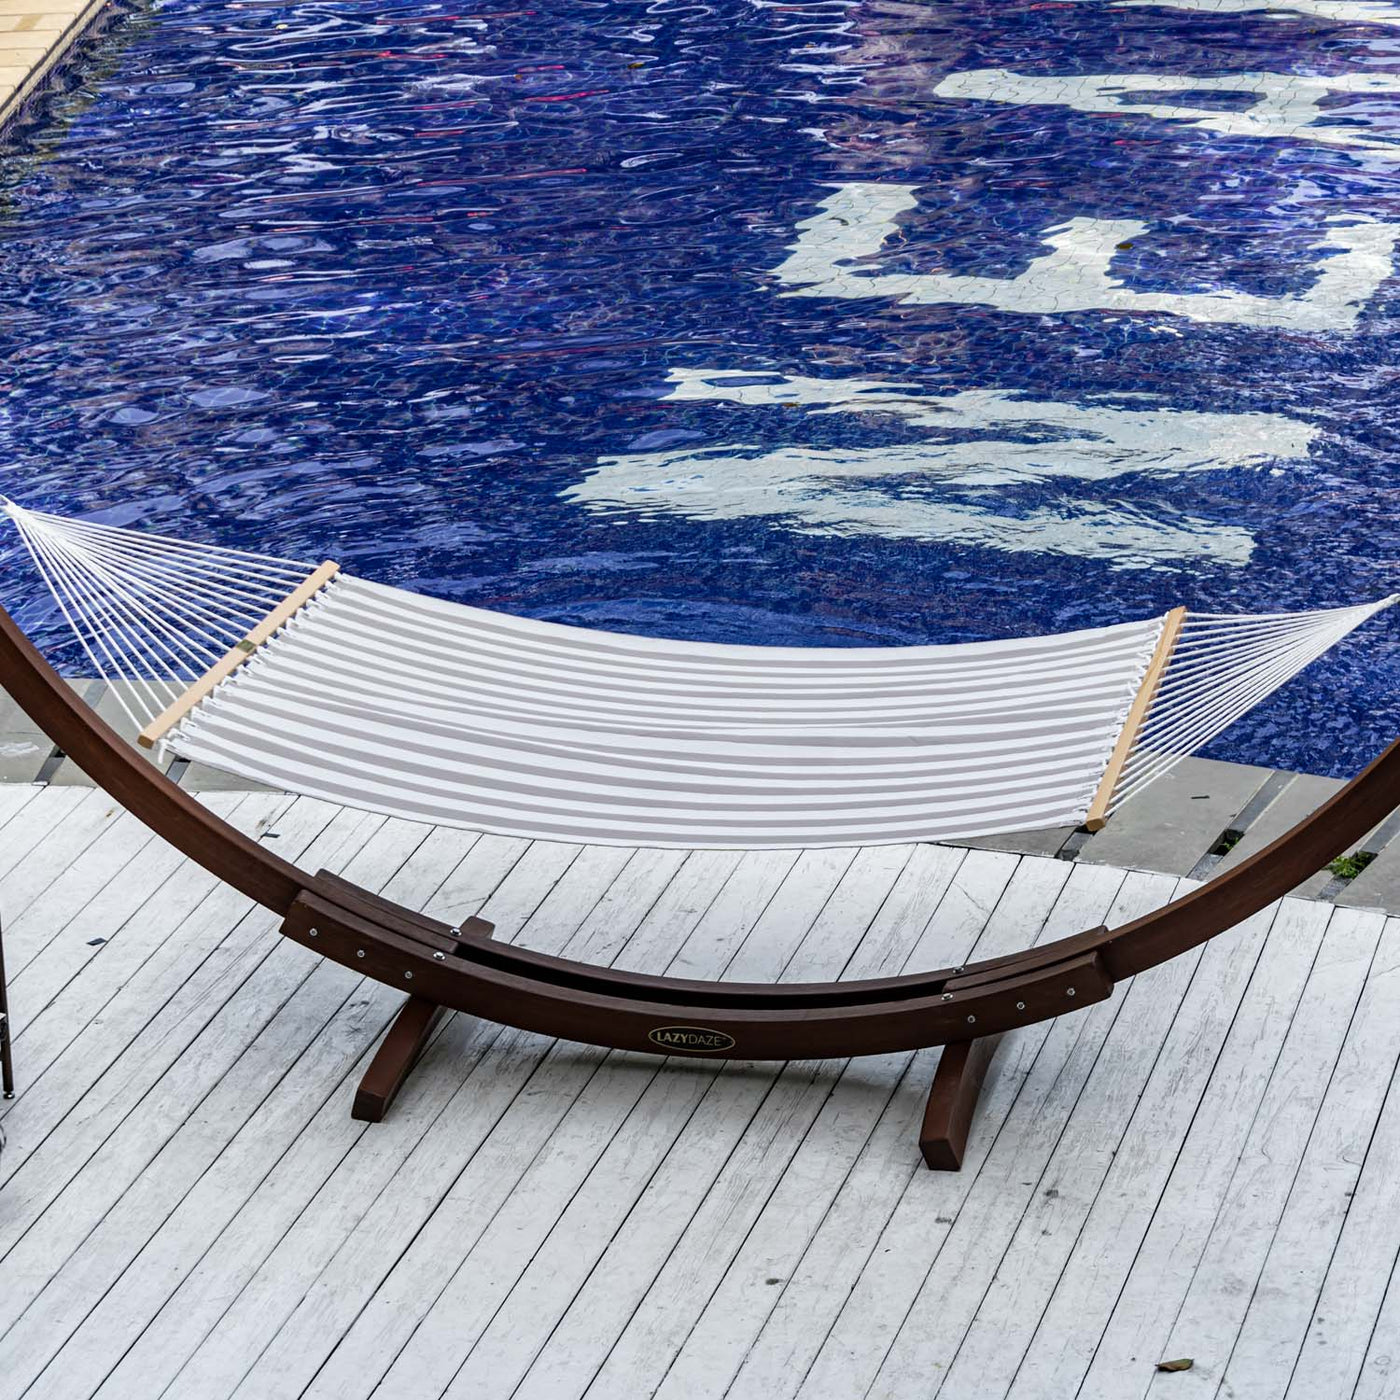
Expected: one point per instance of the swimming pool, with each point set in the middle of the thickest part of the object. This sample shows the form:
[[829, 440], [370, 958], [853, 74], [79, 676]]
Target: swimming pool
[[820, 323]]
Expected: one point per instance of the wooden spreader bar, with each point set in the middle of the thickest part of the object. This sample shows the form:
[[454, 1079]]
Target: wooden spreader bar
[[1097, 816], [222, 669], [441, 966]]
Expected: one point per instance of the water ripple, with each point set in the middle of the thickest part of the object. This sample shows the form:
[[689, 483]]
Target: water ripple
[[415, 285]]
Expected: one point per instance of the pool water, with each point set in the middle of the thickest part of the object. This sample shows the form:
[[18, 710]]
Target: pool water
[[826, 323]]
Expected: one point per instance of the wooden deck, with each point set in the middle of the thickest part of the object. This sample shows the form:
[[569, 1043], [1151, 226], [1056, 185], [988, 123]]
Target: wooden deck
[[1205, 1166], [35, 37]]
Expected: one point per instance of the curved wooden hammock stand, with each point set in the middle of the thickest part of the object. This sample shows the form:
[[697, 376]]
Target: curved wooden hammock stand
[[462, 969]]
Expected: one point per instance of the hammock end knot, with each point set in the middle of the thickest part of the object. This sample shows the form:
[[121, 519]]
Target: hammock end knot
[[22, 518]]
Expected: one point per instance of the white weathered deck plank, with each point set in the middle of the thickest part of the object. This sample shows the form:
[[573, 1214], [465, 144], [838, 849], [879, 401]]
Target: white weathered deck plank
[[136, 918], [50, 923], [1290, 1283], [292, 1271], [356, 1268], [116, 1058], [529, 888], [14, 798], [989, 1355], [67, 1260], [1380, 1372], [381, 1330], [72, 936], [219, 1156], [106, 1063], [734, 1314], [1206, 1164], [806, 1104], [185, 1314], [217, 949], [1361, 1267], [572, 1140], [955, 1269], [1082, 1298], [1213, 1310], [748, 1128], [888, 1178], [835, 1319], [594, 1162], [1105, 1070], [39, 851], [45, 812], [1136, 1335]]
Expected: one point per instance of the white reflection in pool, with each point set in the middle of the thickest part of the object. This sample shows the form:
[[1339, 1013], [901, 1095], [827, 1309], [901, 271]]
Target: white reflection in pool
[[1286, 105], [856, 219], [1343, 11], [941, 489]]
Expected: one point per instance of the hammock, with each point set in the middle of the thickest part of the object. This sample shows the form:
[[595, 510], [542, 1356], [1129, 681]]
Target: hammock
[[307, 679]]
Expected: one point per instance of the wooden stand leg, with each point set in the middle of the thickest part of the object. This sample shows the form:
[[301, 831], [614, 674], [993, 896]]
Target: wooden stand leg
[[396, 1055], [399, 1051], [953, 1100]]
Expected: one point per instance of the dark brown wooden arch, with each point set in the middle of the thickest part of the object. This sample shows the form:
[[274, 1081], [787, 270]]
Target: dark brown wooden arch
[[463, 969]]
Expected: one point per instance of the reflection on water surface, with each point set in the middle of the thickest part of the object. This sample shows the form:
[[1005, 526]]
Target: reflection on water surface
[[822, 323]]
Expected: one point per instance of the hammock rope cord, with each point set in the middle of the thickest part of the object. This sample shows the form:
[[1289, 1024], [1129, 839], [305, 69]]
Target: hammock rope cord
[[375, 697], [1222, 666], [150, 613]]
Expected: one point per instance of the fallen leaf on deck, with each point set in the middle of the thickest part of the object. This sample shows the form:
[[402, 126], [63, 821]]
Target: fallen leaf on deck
[[1183, 1363]]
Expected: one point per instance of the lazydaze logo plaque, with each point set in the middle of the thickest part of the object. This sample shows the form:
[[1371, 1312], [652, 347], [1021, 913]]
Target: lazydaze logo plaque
[[695, 1040]]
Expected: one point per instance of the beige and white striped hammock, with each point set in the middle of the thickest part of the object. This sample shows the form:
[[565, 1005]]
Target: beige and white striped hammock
[[318, 683]]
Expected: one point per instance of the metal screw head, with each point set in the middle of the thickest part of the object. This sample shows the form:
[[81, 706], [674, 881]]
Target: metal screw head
[[408, 977], [972, 1020], [947, 996], [314, 933], [439, 957], [1020, 1006], [1069, 991], [456, 932], [359, 952], [959, 969]]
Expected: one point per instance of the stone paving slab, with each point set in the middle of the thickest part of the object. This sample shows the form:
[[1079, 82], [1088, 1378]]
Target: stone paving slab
[[22, 755], [109, 708], [1178, 819], [1378, 886], [1048, 841], [24, 747], [200, 777], [1302, 796]]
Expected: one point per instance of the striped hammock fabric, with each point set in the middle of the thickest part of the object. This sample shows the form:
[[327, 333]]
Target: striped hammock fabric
[[371, 696]]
